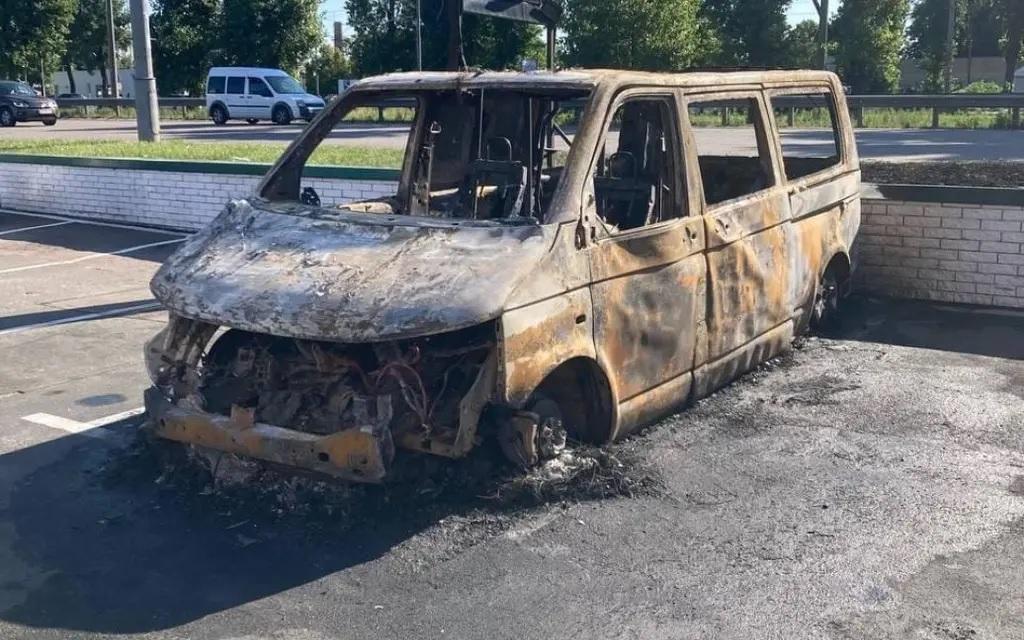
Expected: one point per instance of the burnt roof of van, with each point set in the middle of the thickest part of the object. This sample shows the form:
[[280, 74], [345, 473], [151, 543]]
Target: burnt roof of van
[[580, 78]]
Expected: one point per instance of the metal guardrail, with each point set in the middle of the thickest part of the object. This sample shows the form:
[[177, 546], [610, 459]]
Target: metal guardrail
[[1014, 102]]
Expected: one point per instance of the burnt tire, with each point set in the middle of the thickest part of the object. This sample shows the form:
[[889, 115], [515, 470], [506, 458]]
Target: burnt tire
[[7, 118], [826, 311], [218, 114], [281, 115]]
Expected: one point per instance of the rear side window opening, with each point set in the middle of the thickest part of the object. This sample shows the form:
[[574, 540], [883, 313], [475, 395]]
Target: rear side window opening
[[808, 131], [487, 155], [731, 149]]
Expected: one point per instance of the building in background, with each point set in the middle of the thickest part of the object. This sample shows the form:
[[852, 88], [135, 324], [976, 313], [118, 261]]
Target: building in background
[[965, 70], [90, 83]]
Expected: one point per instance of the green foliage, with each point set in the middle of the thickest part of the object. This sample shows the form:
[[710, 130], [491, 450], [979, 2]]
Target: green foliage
[[636, 34], [869, 36], [327, 67], [33, 34], [282, 34], [384, 37], [803, 49], [752, 32], [325, 154], [87, 39], [1011, 13], [926, 39], [184, 35], [982, 86]]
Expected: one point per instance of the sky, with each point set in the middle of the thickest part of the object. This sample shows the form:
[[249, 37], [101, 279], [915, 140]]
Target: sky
[[799, 11]]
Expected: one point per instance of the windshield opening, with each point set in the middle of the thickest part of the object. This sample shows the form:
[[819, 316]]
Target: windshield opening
[[16, 89], [285, 84], [490, 155]]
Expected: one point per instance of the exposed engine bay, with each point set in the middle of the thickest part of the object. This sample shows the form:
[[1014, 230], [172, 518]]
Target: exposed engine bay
[[424, 394]]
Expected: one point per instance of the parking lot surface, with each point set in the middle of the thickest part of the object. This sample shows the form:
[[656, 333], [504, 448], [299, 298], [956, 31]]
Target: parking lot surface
[[869, 485], [896, 145]]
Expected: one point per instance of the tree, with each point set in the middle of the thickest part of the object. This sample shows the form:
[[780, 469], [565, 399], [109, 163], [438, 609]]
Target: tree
[[33, 36], [926, 39], [1012, 15], [869, 35], [384, 37], [752, 32], [185, 34], [637, 34], [325, 69], [283, 34], [87, 38], [802, 47]]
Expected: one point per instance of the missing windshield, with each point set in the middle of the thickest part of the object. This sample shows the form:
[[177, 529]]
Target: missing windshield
[[488, 154]]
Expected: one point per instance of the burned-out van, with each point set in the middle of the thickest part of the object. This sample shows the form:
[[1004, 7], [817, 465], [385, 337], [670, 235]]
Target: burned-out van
[[574, 253]]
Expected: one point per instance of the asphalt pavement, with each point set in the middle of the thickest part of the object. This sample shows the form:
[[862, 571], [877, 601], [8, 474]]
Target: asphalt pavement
[[866, 486], [896, 145]]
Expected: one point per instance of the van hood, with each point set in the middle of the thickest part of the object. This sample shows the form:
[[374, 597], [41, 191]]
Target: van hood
[[325, 275]]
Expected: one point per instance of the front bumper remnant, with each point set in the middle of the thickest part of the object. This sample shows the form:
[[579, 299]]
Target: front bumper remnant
[[361, 454]]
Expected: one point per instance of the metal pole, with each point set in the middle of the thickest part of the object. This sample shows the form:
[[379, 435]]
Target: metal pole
[[419, 35], [454, 35], [823, 32], [112, 49], [551, 48], [947, 76], [146, 110]]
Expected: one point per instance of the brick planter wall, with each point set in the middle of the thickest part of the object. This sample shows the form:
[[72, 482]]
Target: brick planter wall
[[949, 250], [177, 195]]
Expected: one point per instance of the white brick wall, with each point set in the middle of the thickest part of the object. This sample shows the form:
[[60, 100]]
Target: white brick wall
[[954, 253], [162, 198]]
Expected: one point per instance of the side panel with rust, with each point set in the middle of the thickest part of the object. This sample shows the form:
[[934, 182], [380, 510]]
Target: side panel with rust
[[548, 323], [649, 295]]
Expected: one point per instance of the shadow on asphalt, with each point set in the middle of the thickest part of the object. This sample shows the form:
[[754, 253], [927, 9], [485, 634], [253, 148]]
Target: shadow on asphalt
[[932, 325], [137, 539], [127, 551], [79, 314], [94, 238]]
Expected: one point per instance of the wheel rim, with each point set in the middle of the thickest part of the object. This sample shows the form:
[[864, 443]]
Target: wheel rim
[[5, 116], [218, 115]]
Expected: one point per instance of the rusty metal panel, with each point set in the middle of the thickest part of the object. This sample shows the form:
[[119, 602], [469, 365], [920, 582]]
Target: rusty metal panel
[[649, 297]]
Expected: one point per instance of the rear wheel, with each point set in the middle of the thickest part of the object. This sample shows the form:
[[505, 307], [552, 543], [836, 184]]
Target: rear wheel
[[7, 117], [218, 114], [49, 123], [281, 115]]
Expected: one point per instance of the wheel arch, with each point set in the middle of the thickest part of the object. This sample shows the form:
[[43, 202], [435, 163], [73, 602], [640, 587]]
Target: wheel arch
[[584, 393], [218, 103]]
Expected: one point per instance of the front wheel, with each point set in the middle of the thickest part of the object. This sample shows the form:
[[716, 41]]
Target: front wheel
[[281, 115], [7, 117], [218, 114], [825, 314], [49, 123], [527, 438]]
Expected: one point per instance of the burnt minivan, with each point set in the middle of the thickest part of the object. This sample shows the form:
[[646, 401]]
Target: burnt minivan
[[564, 254]]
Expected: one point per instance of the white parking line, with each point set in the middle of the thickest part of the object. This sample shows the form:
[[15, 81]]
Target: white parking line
[[148, 306], [91, 256], [38, 226], [93, 428], [96, 223]]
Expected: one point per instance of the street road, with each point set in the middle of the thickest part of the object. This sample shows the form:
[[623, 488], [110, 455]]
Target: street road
[[869, 486], [896, 145]]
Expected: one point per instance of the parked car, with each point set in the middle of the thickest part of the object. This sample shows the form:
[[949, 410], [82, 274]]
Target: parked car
[[520, 284], [253, 94], [19, 102]]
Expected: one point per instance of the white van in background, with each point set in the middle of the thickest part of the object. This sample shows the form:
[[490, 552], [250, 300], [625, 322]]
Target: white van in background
[[253, 94]]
